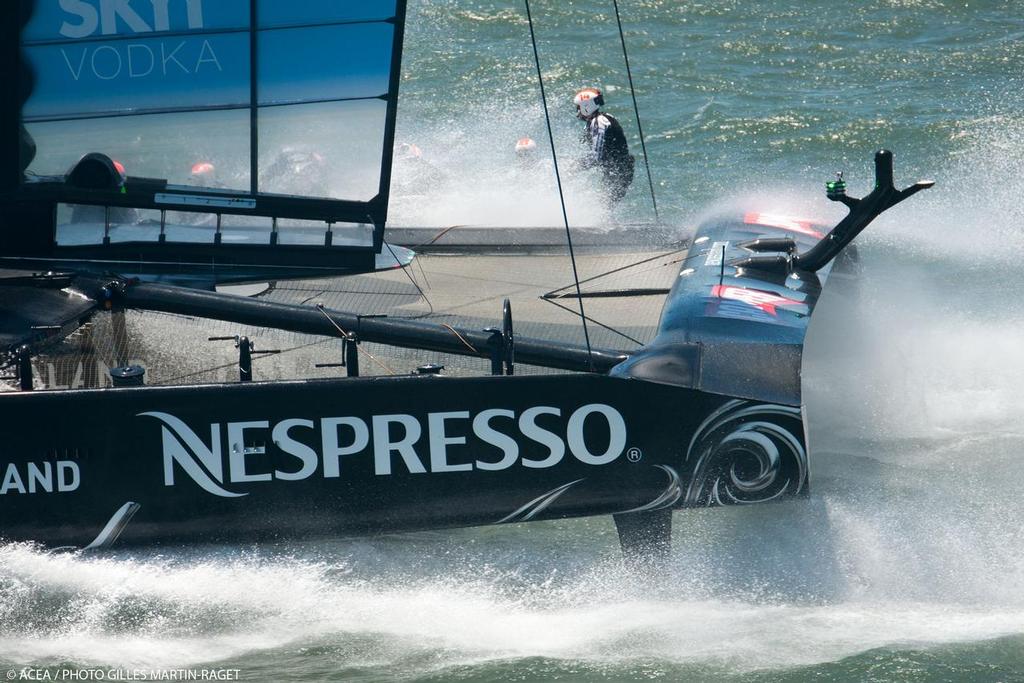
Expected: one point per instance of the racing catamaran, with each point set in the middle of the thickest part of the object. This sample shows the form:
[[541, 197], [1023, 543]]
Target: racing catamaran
[[708, 413]]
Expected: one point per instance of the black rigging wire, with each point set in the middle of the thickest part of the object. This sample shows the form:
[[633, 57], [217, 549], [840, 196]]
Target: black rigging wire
[[558, 179], [408, 274], [598, 323], [557, 293], [636, 110]]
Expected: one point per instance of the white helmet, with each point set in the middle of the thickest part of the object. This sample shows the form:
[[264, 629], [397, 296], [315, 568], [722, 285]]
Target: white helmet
[[587, 102], [525, 146], [203, 171], [410, 151]]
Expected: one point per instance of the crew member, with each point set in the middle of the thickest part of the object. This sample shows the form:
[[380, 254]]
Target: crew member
[[204, 174], [96, 213], [414, 174], [607, 142], [527, 160], [526, 149]]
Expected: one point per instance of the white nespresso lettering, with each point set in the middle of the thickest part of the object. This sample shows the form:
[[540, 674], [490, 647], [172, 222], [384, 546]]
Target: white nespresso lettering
[[383, 445], [451, 441], [333, 451], [239, 451], [439, 442], [300, 450], [617, 428], [531, 430], [483, 430], [62, 476], [201, 462]]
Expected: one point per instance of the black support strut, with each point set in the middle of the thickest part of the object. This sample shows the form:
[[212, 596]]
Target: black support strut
[[645, 536]]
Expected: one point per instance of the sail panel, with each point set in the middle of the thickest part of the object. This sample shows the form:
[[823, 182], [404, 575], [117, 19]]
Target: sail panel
[[325, 149], [101, 20], [294, 63], [158, 146], [145, 74], [272, 13], [166, 87]]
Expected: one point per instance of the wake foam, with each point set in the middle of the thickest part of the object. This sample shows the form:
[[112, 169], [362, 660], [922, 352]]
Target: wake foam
[[142, 613]]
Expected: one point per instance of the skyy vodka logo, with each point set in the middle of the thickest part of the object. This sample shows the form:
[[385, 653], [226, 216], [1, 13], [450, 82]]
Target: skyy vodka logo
[[145, 57], [85, 18], [236, 452]]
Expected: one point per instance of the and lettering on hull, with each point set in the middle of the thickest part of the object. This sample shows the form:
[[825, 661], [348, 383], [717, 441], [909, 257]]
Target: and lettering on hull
[[62, 476]]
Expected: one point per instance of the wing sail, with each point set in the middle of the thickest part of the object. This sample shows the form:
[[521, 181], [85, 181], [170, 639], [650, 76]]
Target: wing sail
[[279, 114]]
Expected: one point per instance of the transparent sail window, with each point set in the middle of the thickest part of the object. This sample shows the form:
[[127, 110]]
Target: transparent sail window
[[78, 224], [315, 233], [86, 224], [331, 149], [205, 149], [89, 225], [246, 229]]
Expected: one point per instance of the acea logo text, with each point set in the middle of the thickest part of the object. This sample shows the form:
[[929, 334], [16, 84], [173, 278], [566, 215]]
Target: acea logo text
[[237, 452]]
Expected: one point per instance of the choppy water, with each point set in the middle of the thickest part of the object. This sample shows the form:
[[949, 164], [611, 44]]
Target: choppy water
[[908, 561]]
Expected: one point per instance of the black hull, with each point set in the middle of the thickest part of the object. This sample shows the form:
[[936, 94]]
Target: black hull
[[342, 457]]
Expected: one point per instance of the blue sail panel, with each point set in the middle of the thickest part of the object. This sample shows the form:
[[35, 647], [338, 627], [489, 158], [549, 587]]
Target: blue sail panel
[[64, 20], [90, 78], [344, 61], [299, 103], [275, 14]]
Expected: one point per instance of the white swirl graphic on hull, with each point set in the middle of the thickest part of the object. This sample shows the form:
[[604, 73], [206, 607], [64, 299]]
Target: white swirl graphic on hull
[[669, 497], [747, 453], [537, 505]]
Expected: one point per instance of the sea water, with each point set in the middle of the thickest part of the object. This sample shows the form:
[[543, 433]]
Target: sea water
[[907, 562]]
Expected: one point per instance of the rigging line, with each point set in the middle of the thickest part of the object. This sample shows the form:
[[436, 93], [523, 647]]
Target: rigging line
[[554, 293], [317, 295], [597, 322], [359, 347], [558, 179], [405, 269], [636, 110], [460, 337], [438, 236], [616, 293], [423, 272]]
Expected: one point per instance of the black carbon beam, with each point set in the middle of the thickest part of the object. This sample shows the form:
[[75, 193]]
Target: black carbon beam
[[393, 332], [884, 196]]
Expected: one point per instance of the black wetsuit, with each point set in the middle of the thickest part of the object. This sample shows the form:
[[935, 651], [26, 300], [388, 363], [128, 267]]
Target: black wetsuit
[[610, 151]]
